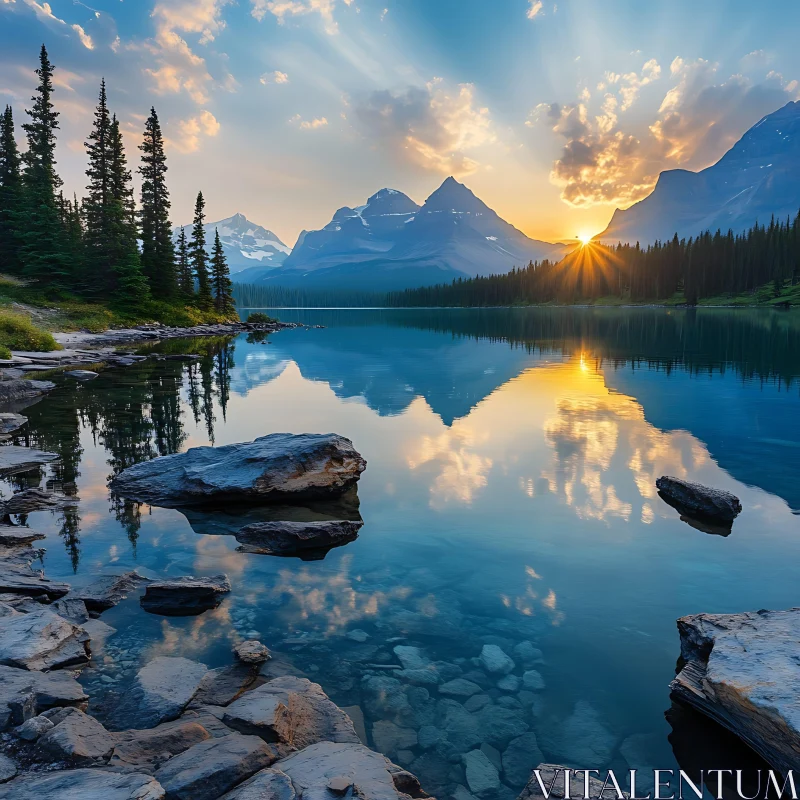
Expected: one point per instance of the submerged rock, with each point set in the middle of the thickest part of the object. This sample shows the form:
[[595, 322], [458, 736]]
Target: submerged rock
[[211, 768], [520, 758], [290, 710], [742, 671], [552, 776], [700, 501], [310, 540], [41, 640], [107, 591], [81, 374], [25, 694], [8, 769], [582, 738], [84, 784], [495, 661], [273, 468], [35, 499], [161, 691], [185, 596], [15, 458]]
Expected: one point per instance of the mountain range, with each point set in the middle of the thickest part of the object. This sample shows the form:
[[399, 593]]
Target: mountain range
[[244, 243], [390, 242], [754, 180]]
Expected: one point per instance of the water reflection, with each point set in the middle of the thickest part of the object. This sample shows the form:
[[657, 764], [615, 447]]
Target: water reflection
[[509, 499]]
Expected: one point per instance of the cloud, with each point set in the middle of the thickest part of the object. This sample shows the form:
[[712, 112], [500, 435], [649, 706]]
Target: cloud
[[430, 127], [192, 130], [86, 40], [309, 125], [283, 9], [605, 159], [274, 77], [536, 9], [44, 12], [179, 68]]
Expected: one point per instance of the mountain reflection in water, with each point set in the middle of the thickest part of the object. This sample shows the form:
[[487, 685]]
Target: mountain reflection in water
[[509, 496]]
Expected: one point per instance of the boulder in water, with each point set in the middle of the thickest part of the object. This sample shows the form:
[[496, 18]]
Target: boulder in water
[[276, 468], [186, 596], [309, 540], [696, 500]]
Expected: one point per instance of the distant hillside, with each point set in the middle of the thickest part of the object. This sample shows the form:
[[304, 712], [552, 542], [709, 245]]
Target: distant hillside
[[756, 179], [247, 246], [392, 243]]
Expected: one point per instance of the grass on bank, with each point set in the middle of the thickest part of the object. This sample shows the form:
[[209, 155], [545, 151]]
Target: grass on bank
[[28, 315]]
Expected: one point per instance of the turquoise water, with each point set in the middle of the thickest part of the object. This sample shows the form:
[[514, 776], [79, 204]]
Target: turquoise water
[[509, 497]]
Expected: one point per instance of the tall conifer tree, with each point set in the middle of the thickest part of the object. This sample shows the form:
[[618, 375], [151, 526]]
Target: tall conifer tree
[[99, 239], [158, 251], [221, 279], [185, 277], [43, 254], [10, 195], [130, 283], [199, 256]]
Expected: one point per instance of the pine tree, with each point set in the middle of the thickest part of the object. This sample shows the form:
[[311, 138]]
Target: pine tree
[[130, 283], [99, 245], [158, 251], [199, 256], [185, 277], [10, 195], [43, 254], [221, 279]]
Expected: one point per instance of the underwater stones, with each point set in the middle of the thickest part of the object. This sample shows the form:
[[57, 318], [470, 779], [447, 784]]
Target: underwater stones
[[41, 640], [186, 596], [459, 687], [290, 710], [213, 767], [429, 736], [697, 500], [533, 680], [389, 738], [357, 635], [16, 458], [25, 694], [106, 592], [35, 499], [528, 654], [509, 683], [462, 728], [499, 725], [477, 702], [384, 698], [553, 777], [520, 758], [83, 784], [742, 671], [582, 738], [411, 657], [495, 661], [482, 776], [278, 467], [311, 540], [161, 691]]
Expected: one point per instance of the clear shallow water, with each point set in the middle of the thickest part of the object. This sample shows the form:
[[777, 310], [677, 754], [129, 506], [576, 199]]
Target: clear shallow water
[[509, 496]]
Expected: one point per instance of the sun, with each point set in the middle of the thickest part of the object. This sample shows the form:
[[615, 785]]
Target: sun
[[584, 238]]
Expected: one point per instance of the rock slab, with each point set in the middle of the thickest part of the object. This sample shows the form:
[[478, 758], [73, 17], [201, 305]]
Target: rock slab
[[25, 694], [742, 670], [275, 468], [696, 500], [297, 538], [83, 784], [186, 596]]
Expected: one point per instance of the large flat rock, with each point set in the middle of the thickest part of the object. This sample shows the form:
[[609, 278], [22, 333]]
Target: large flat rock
[[35, 499], [290, 710], [15, 458], [742, 670], [41, 640], [83, 784], [315, 768], [147, 749], [273, 468], [11, 535], [213, 767], [304, 539], [24, 694], [107, 591], [14, 391], [160, 693], [17, 576], [269, 784], [76, 737], [185, 596]]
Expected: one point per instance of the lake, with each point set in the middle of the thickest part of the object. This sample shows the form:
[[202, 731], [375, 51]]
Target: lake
[[509, 499]]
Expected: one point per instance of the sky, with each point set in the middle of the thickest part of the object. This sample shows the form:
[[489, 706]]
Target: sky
[[553, 113]]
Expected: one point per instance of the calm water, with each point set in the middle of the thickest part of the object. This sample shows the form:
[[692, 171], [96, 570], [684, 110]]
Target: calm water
[[509, 497]]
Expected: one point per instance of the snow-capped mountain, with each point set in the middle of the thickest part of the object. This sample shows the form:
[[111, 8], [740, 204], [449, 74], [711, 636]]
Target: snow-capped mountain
[[246, 244], [390, 242], [754, 180]]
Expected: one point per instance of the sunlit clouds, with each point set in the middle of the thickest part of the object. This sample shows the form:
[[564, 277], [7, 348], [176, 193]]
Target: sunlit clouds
[[192, 131], [274, 77], [434, 127]]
